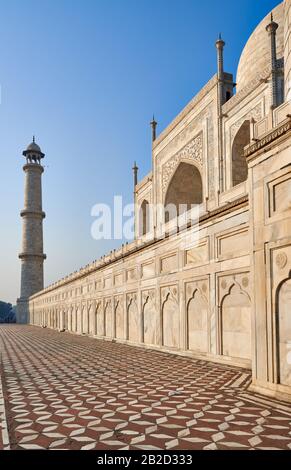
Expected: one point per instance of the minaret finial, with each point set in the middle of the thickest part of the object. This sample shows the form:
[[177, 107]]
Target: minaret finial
[[154, 127], [272, 18], [135, 171], [33, 139]]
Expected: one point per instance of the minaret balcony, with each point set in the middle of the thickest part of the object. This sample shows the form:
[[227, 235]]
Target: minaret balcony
[[33, 214]]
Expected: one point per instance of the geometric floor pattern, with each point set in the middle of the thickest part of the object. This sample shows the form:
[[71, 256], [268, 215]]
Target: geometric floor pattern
[[63, 391]]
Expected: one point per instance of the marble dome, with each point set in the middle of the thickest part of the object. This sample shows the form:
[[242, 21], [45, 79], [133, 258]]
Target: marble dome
[[33, 147], [256, 54]]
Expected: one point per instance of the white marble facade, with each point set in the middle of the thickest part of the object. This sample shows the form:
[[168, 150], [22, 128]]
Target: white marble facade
[[221, 288]]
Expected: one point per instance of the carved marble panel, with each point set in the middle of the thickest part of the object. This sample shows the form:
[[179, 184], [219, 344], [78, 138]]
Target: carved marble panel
[[108, 320], [170, 317], [235, 316], [119, 317], [198, 255], [149, 317], [133, 323], [197, 295]]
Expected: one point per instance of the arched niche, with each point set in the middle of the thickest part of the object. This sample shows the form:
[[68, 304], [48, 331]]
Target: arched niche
[[144, 218], [170, 323], [108, 319], [119, 320], [133, 321], [284, 331], [239, 163], [197, 323], [149, 317], [236, 324], [184, 191], [99, 319]]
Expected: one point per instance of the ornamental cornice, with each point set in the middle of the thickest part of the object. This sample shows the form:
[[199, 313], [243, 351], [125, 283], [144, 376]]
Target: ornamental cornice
[[268, 139]]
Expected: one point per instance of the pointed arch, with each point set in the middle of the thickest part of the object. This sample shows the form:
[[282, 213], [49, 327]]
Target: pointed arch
[[283, 331], [144, 218], [184, 191], [236, 323], [197, 322], [170, 322], [239, 163]]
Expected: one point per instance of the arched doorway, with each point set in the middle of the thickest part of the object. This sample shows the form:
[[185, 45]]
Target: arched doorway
[[239, 164]]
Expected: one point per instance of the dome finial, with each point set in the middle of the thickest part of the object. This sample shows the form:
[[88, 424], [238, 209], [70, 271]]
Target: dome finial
[[272, 18], [33, 139]]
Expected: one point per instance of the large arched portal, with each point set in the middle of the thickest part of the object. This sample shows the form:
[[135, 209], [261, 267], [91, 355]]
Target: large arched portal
[[184, 191], [239, 164]]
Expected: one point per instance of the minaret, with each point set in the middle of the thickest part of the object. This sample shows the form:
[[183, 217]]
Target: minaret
[[154, 129], [287, 50], [220, 101], [272, 30], [135, 176], [32, 256], [135, 172]]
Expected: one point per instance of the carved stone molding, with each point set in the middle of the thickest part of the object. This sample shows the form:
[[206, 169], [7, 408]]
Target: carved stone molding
[[269, 138], [200, 286], [131, 298], [148, 296], [281, 260], [169, 293], [107, 303], [228, 282], [117, 300]]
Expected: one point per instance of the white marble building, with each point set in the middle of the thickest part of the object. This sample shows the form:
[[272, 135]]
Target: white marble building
[[227, 296]]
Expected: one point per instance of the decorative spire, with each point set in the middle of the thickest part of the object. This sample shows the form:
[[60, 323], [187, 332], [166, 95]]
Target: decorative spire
[[154, 127], [135, 171], [220, 46], [271, 28], [33, 139], [220, 101]]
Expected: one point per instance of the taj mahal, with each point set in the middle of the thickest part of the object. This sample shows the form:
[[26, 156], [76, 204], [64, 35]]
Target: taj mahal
[[225, 297]]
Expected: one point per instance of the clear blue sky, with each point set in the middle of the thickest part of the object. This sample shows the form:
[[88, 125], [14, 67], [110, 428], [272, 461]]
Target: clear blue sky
[[85, 77]]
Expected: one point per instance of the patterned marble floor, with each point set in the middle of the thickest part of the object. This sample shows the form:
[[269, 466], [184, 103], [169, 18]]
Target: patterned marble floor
[[63, 391]]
